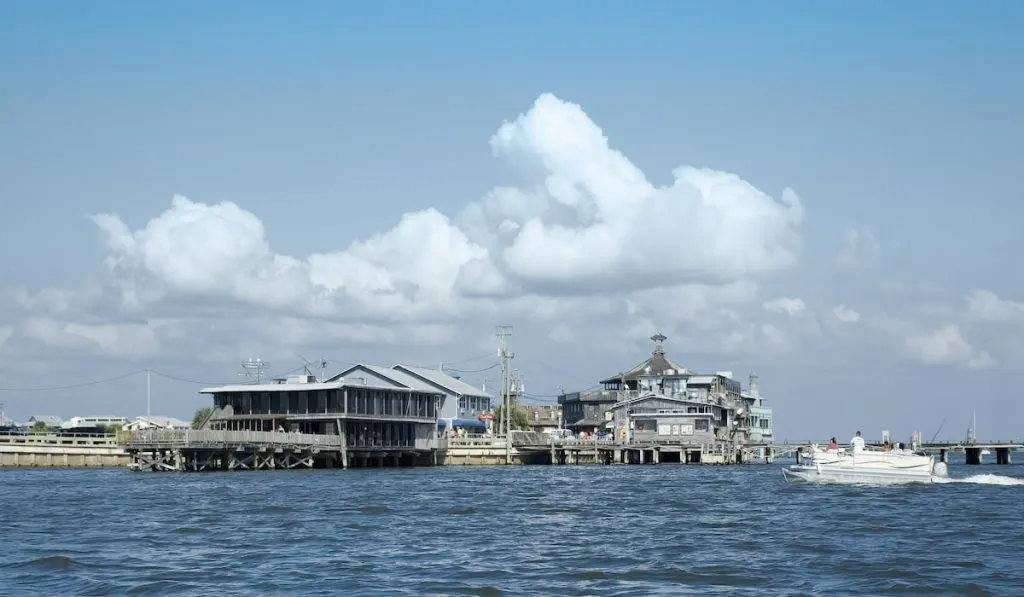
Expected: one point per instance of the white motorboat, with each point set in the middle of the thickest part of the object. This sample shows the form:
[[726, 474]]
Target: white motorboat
[[817, 464]]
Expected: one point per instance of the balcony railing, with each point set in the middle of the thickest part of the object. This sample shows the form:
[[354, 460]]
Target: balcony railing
[[205, 437]]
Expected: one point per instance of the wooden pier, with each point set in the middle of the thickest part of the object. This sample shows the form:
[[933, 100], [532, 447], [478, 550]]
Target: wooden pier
[[575, 451], [544, 448], [207, 450]]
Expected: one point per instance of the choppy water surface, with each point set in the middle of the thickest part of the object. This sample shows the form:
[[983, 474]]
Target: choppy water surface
[[542, 530]]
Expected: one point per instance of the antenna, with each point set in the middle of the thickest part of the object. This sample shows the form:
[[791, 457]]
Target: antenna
[[254, 367], [306, 367]]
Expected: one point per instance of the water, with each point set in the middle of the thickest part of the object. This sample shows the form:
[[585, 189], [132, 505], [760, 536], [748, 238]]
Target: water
[[540, 530]]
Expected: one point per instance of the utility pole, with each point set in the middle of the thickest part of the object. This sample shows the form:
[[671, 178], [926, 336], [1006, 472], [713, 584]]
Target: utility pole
[[257, 366], [149, 395], [504, 331]]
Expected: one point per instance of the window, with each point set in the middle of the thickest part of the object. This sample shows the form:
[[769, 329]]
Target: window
[[700, 425]]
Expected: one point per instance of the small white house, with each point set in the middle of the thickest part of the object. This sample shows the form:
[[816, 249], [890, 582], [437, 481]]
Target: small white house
[[94, 421], [156, 423]]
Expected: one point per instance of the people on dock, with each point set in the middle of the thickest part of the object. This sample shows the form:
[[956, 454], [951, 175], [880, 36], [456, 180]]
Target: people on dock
[[857, 442]]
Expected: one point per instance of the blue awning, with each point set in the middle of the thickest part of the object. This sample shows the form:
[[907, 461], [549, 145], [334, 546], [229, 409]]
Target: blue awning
[[462, 423]]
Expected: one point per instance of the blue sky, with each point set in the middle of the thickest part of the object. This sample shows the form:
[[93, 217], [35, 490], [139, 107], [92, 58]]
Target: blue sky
[[329, 121]]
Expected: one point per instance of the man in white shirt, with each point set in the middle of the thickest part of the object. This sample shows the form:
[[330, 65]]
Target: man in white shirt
[[857, 442]]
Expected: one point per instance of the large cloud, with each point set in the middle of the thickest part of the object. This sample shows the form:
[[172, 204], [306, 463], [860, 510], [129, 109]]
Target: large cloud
[[584, 217], [587, 215]]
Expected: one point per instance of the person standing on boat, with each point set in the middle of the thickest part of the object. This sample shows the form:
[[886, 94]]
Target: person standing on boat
[[857, 442]]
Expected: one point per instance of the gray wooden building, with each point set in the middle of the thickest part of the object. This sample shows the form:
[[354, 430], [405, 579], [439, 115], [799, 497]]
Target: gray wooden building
[[660, 400], [369, 415]]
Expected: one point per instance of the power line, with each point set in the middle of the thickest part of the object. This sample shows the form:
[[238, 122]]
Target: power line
[[471, 359], [186, 380], [96, 382], [494, 366], [74, 385]]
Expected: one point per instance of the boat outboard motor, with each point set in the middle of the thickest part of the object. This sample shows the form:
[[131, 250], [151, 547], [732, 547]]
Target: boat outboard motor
[[939, 469]]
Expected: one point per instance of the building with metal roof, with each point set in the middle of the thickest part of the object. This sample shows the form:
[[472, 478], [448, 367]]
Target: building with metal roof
[[463, 406], [374, 415]]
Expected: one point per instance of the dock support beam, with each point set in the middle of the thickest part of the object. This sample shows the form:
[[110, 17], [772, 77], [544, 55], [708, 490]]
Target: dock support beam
[[344, 443], [973, 455], [1002, 455]]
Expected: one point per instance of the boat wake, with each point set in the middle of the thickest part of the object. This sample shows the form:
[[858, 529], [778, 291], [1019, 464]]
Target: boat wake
[[986, 479]]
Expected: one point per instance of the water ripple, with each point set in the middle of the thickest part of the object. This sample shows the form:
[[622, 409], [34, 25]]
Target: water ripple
[[523, 531]]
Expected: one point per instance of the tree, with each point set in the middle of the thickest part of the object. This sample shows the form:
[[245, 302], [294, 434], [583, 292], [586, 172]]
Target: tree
[[519, 419], [40, 426], [200, 417]]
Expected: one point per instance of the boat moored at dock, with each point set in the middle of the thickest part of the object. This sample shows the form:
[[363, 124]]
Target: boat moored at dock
[[865, 466]]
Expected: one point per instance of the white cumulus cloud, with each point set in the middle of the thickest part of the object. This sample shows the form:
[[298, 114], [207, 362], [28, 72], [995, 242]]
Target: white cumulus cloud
[[987, 306], [846, 314], [588, 213], [947, 346], [789, 306], [586, 217]]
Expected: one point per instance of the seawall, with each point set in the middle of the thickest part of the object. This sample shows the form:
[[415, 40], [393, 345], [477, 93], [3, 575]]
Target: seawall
[[57, 451]]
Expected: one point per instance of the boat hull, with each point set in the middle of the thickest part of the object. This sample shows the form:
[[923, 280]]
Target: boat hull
[[869, 467], [810, 474]]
